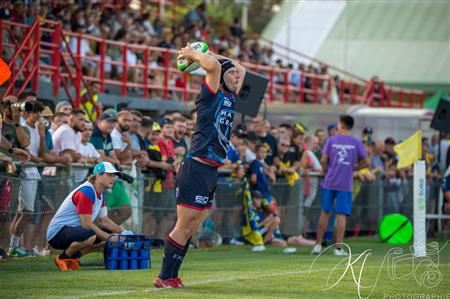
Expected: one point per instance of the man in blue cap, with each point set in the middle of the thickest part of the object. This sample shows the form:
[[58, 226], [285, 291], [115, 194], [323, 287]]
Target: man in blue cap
[[81, 224]]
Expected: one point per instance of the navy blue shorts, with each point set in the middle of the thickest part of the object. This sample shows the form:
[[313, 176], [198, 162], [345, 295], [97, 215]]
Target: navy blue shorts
[[343, 201], [195, 184], [68, 234]]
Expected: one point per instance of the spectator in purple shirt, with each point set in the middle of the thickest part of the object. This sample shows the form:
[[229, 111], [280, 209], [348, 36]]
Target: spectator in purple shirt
[[342, 154]]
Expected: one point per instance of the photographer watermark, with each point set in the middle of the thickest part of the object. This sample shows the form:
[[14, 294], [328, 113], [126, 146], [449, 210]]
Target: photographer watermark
[[424, 270]]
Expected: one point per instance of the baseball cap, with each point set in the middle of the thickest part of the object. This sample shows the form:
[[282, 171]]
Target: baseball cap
[[109, 114], [300, 127], [367, 130], [47, 112], [156, 127], [240, 133], [332, 126], [105, 167], [165, 121]]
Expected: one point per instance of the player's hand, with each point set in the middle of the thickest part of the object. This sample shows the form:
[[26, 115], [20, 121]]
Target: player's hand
[[21, 155], [187, 52]]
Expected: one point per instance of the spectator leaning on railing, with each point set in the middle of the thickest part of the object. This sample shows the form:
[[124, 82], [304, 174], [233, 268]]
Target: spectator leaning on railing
[[118, 200], [101, 136], [88, 153], [14, 139], [23, 220], [66, 139]]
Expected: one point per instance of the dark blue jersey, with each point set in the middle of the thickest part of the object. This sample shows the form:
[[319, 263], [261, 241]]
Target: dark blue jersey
[[215, 114], [262, 182]]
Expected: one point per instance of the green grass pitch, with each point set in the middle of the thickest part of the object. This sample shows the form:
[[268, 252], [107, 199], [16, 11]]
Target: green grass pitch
[[236, 272]]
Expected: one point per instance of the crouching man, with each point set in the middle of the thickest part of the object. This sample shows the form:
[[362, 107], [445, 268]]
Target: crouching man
[[81, 224]]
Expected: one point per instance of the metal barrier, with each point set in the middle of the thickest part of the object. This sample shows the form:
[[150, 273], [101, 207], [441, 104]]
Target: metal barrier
[[154, 211]]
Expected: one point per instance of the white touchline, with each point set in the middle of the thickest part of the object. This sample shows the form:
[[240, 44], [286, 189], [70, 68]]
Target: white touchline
[[213, 280]]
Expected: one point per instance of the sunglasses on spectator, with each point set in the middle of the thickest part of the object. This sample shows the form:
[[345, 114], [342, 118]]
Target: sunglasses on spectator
[[285, 145]]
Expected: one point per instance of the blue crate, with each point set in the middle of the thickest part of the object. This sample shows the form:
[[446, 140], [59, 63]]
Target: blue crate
[[130, 252]]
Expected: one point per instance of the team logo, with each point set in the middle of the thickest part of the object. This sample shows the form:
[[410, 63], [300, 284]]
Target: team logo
[[227, 103], [177, 192], [203, 200]]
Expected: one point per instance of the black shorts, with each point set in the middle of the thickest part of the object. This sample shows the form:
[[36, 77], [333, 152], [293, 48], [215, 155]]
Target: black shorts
[[195, 184], [68, 234]]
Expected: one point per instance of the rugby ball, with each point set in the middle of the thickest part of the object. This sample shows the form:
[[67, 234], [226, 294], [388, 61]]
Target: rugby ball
[[187, 66]]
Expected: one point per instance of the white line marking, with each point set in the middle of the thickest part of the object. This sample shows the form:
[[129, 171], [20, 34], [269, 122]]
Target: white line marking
[[214, 280]]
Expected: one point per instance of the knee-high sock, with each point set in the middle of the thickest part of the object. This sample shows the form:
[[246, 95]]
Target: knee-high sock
[[178, 262], [172, 254]]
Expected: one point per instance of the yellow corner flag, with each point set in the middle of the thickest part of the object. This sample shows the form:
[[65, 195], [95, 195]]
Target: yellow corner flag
[[409, 150]]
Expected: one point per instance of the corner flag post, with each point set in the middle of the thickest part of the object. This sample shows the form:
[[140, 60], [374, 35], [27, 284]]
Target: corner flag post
[[419, 208], [410, 152]]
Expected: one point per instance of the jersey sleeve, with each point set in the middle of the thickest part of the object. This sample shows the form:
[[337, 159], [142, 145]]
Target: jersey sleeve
[[83, 203], [206, 93]]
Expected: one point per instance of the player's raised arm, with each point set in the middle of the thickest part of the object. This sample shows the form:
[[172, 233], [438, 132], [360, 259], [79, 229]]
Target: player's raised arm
[[207, 62]]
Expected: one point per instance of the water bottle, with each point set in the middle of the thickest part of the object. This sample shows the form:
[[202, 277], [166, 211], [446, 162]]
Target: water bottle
[[112, 259], [133, 255], [123, 259], [143, 258]]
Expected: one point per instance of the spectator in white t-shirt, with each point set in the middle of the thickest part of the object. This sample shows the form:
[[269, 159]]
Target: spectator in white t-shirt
[[22, 224], [87, 152], [121, 140], [66, 139]]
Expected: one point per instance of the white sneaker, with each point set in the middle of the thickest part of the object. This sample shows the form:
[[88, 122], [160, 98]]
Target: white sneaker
[[316, 249], [235, 241], [46, 252], [37, 252], [340, 252], [290, 250], [258, 248]]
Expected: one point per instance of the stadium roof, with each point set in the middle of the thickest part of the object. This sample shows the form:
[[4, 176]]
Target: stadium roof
[[400, 41]]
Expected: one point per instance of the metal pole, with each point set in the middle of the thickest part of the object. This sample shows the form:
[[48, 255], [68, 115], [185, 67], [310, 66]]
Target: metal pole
[[244, 17]]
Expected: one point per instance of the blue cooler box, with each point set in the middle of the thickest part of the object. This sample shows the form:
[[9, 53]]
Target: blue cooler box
[[130, 252]]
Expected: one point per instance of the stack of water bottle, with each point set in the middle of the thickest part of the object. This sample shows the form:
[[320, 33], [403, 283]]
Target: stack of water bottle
[[128, 252]]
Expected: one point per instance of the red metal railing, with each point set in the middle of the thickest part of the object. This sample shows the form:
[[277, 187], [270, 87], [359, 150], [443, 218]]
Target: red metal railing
[[70, 62], [157, 75], [27, 51], [30, 50]]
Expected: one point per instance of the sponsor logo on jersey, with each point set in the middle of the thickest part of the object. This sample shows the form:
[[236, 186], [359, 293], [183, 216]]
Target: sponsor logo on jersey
[[203, 200]]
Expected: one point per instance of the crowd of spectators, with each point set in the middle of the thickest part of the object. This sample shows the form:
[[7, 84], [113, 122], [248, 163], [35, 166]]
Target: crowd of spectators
[[145, 28]]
